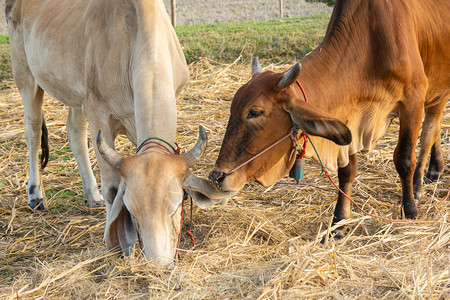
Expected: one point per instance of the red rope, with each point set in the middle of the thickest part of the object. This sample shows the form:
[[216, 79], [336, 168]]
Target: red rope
[[192, 237], [303, 91], [324, 169], [181, 229], [305, 141]]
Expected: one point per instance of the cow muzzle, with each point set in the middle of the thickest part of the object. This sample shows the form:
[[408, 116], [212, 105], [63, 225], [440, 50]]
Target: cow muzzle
[[217, 178]]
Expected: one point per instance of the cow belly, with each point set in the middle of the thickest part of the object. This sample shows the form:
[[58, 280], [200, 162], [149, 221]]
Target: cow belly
[[54, 46], [62, 90], [369, 130], [365, 135], [58, 73]]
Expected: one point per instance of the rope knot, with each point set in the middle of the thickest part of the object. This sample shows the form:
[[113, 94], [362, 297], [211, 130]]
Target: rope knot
[[295, 129], [324, 170]]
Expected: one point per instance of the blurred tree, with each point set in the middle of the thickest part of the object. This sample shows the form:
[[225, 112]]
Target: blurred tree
[[328, 2]]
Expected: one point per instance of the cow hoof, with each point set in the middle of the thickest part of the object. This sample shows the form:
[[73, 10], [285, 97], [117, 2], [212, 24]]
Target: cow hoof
[[336, 234], [417, 196], [37, 204], [431, 176], [92, 203], [410, 211]]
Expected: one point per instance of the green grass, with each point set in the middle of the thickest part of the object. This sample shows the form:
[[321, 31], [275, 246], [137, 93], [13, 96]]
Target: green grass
[[64, 200], [279, 41], [5, 61], [64, 153], [4, 39]]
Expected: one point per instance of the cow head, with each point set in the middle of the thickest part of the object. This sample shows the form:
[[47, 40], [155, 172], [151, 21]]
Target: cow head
[[262, 112], [149, 198]]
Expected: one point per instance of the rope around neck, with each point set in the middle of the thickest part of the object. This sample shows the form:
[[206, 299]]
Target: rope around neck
[[156, 140]]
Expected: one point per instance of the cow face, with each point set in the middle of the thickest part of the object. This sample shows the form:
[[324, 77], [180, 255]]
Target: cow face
[[262, 112], [149, 198]]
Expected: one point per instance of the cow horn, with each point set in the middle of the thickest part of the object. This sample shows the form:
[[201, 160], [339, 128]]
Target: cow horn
[[110, 155], [195, 153], [290, 76], [256, 67]]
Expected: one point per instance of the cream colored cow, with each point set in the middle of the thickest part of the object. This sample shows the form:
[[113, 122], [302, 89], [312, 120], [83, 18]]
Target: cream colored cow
[[118, 65]]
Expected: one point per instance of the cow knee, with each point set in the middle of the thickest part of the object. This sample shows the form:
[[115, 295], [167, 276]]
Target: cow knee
[[404, 166]]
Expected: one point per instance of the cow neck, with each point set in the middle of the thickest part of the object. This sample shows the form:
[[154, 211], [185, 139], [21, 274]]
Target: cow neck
[[155, 89], [317, 81], [329, 74]]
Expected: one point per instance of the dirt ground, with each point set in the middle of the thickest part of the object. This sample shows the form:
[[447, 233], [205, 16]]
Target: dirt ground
[[212, 11]]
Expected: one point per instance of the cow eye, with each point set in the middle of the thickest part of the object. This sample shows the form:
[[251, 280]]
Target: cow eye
[[254, 114]]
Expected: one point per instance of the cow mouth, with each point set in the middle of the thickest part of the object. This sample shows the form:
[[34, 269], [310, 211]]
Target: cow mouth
[[216, 178]]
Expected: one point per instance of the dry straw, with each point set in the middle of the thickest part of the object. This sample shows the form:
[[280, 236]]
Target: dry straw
[[263, 245]]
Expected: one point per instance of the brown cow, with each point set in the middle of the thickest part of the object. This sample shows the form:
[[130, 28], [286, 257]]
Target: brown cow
[[379, 60]]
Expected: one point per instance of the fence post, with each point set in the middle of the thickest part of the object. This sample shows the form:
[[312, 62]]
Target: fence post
[[174, 12], [281, 9]]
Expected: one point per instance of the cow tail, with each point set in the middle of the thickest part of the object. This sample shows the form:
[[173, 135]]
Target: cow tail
[[44, 145]]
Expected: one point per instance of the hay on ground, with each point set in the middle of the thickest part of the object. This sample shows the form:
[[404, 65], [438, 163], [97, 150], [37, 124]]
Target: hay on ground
[[263, 245]]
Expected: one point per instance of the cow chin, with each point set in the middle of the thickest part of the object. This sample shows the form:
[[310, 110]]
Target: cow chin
[[233, 183], [271, 175]]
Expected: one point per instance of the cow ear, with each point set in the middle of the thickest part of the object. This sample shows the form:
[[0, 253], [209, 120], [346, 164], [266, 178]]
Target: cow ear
[[312, 120], [120, 231], [202, 192]]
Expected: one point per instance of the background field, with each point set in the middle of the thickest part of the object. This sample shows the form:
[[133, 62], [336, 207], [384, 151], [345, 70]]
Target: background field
[[264, 244], [225, 11]]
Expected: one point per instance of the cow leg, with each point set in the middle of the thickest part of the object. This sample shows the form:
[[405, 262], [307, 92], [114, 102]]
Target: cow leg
[[346, 177], [77, 132], [32, 96], [430, 141], [404, 153]]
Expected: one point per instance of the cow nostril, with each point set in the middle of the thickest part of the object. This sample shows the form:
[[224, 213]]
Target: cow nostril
[[217, 177]]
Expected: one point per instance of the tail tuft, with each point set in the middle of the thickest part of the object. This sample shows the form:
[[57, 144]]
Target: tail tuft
[[44, 145]]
